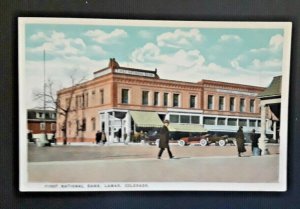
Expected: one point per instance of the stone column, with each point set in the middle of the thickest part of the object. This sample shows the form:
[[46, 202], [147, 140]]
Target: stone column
[[262, 139], [107, 124], [274, 130], [128, 127]]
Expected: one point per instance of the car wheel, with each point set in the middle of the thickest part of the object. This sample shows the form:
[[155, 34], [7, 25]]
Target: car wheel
[[203, 142], [222, 143], [157, 142], [181, 143]]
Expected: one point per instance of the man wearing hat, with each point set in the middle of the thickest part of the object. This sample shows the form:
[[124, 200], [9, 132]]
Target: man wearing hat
[[240, 141], [164, 140]]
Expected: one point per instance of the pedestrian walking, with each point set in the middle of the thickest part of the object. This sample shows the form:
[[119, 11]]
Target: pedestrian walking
[[254, 140], [164, 137], [240, 141], [98, 137]]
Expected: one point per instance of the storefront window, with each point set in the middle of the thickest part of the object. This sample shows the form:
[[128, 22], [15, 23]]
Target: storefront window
[[232, 122], [184, 119], [242, 122], [252, 123], [174, 118], [195, 119], [209, 120], [221, 121]]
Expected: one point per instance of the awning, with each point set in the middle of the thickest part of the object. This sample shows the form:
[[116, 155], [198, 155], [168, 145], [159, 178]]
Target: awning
[[146, 119], [192, 128]]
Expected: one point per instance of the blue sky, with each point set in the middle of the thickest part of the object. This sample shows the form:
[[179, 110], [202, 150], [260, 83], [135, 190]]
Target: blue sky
[[247, 56]]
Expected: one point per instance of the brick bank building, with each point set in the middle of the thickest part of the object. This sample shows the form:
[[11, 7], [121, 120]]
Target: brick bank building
[[125, 100]]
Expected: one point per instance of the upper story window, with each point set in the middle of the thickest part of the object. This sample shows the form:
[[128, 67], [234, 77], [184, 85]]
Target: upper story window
[[42, 126], [125, 96], [242, 105], [156, 98], [166, 95], [221, 103], [210, 102], [252, 105], [192, 101], [145, 97], [101, 96], [175, 100], [232, 104]]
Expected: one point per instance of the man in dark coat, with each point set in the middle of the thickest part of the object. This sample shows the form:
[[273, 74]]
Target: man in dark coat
[[98, 137], [254, 139], [164, 140], [240, 141]]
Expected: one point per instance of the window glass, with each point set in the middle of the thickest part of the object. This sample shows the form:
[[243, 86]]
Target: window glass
[[195, 119], [242, 122], [231, 104], [145, 96], [210, 102], [174, 118], [221, 121], [232, 121], [175, 100], [184, 119], [252, 123], [221, 103], [209, 120], [125, 98], [192, 101]]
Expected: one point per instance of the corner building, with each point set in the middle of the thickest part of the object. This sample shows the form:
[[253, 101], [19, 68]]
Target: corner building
[[120, 101]]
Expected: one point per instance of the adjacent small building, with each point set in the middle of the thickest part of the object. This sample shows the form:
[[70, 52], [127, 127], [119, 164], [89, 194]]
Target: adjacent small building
[[120, 101], [41, 121]]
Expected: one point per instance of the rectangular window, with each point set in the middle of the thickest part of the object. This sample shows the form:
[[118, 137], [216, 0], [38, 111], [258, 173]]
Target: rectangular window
[[210, 102], [221, 103], [184, 119], [209, 120], [175, 100], [93, 124], [42, 126], [252, 105], [192, 101], [221, 121], [231, 104], [232, 122], [101, 96], [259, 123], [53, 126], [125, 96], [252, 123], [195, 119], [174, 118], [242, 105], [242, 122], [166, 95], [156, 96], [145, 99]]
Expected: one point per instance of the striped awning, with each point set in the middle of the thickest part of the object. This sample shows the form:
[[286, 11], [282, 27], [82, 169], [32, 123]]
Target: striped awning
[[146, 119], [192, 128]]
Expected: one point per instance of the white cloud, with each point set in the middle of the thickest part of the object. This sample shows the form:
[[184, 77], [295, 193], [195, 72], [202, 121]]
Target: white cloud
[[106, 38], [275, 45], [229, 38], [179, 38], [57, 44], [145, 34], [149, 52]]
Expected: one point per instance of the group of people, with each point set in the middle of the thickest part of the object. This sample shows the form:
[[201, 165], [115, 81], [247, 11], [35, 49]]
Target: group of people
[[100, 137], [240, 139]]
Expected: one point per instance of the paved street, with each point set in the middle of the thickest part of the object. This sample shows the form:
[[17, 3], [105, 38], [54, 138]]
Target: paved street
[[138, 163]]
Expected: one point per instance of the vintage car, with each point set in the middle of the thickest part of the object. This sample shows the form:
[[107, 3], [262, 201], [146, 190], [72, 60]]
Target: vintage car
[[206, 139]]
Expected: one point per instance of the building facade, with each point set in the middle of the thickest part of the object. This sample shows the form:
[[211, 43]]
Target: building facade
[[120, 101], [41, 121]]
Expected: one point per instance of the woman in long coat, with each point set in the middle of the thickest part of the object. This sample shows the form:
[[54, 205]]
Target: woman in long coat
[[164, 140], [240, 141]]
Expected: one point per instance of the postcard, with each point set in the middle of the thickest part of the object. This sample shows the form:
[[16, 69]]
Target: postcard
[[150, 105]]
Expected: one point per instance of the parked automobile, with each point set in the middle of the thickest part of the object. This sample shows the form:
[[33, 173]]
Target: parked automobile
[[206, 139]]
